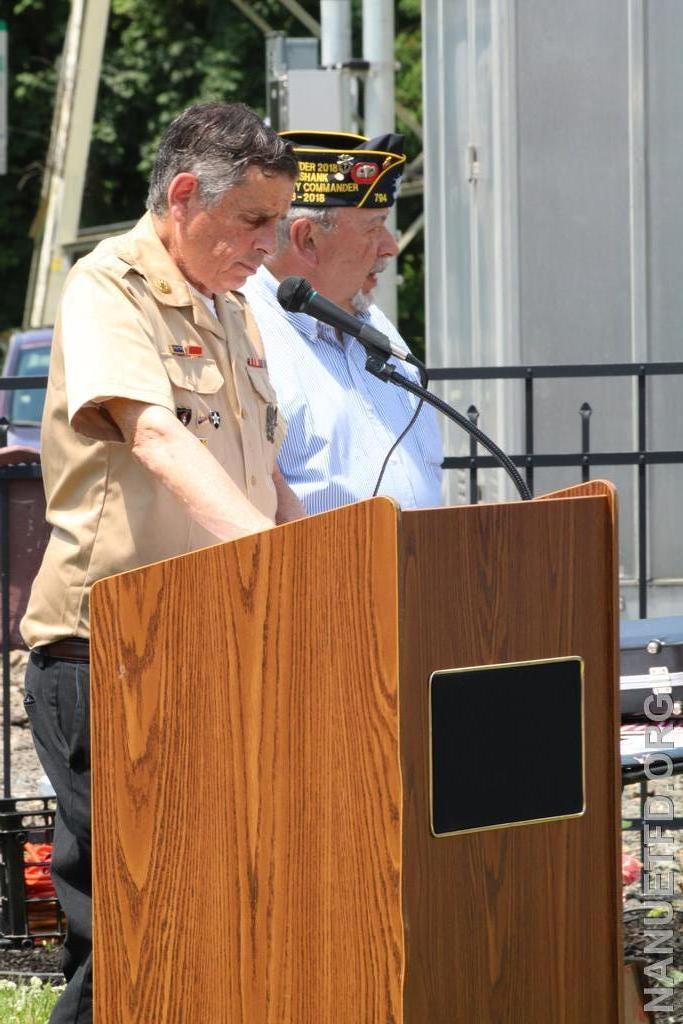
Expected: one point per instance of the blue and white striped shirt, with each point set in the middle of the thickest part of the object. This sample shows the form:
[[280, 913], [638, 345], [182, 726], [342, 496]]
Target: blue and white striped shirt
[[342, 421]]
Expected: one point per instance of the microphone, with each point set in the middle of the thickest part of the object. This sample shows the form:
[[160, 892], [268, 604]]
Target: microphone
[[296, 295]]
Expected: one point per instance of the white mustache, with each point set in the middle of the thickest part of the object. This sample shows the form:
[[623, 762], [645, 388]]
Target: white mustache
[[380, 265]]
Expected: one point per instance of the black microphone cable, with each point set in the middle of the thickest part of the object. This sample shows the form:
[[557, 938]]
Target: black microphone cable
[[297, 295], [395, 445], [411, 423]]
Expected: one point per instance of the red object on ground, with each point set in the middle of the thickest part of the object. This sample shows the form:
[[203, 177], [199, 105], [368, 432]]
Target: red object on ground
[[37, 877], [630, 868], [42, 915]]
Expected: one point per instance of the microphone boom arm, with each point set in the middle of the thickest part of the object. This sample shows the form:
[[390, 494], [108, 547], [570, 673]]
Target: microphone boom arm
[[377, 365]]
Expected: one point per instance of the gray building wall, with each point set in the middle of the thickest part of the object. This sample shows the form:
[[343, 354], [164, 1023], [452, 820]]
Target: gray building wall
[[554, 234]]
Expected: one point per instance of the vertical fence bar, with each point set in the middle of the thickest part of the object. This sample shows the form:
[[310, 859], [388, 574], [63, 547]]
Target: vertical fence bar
[[473, 416], [12, 839], [642, 494], [4, 596], [529, 427], [585, 414]]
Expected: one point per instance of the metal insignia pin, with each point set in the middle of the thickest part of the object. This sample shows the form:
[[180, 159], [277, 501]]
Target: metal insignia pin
[[365, 173], [184, 415], [215, 418], [163, 286], [271, 422]]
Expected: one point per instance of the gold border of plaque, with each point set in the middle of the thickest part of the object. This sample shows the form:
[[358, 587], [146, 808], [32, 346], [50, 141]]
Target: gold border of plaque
[[507, 824]]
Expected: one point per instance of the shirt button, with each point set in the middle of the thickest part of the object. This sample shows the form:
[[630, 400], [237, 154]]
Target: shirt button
[[243, 414], [253, 480]]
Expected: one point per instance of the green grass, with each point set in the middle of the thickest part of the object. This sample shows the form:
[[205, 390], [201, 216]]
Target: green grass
[[26, 1003]]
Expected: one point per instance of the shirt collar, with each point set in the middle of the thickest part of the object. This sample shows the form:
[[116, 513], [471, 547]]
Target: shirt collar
[[307, 325], [143, 250]]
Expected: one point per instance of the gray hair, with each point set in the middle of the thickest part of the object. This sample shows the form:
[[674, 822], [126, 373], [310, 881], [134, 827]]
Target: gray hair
[[218, 143], [325, 216]]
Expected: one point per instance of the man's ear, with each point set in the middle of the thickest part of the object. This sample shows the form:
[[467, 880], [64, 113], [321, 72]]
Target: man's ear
[[182, 190], [302, 240]]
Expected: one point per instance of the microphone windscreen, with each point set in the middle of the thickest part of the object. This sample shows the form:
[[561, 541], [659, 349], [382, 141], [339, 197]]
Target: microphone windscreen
[[294, 293]]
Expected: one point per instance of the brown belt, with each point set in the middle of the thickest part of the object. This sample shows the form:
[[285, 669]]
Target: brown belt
[[73, 648]]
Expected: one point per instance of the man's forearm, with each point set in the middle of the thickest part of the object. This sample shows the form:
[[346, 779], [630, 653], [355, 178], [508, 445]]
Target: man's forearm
[[182, 464]]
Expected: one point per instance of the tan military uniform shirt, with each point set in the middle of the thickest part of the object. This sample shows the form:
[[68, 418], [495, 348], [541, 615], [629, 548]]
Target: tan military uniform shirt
[[130, 326]]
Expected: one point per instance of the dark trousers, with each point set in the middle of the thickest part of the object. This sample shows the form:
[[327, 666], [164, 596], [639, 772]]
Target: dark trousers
[[58, 706]]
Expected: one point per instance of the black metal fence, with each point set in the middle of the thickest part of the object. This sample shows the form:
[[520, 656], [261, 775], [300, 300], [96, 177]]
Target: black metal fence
[[584, 460], [22, 914], [8, 474], [30, 913]]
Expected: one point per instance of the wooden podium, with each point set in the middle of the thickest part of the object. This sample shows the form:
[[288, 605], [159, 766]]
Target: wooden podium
[[261, 775]]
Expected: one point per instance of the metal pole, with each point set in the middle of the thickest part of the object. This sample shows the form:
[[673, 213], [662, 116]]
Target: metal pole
[[380, 109], [473, 414], [6, 681], [3, 97], [336, 49], [529, 424], [335, 32], [585, 412], [642, 494], [378, 49], [67, 161]]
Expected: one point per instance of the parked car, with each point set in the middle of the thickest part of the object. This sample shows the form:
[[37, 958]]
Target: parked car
[[28, 355]]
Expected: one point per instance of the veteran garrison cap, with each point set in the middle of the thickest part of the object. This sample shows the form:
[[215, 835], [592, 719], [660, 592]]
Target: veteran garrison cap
[[343, 169]]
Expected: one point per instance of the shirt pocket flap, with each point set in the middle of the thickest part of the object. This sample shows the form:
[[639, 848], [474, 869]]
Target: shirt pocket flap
[[261, 384], [193, 373]]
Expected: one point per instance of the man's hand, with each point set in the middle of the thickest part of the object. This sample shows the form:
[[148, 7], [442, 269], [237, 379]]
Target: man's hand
[[182, 464], [289, 507]]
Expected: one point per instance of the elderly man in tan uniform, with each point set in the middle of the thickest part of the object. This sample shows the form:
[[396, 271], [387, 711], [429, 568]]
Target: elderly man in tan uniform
[[160, 435]]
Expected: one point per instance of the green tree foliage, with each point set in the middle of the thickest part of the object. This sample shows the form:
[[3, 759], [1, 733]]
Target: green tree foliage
[[160, 55], [36, 33]]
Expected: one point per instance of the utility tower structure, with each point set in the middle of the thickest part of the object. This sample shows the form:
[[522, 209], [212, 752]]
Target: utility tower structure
[[57, 221]]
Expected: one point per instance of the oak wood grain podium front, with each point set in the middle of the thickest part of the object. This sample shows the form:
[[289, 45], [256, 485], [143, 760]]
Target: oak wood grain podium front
[[263, 849]]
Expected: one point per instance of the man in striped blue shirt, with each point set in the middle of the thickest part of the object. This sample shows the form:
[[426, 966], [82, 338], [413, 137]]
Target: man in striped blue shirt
[[342, 421]]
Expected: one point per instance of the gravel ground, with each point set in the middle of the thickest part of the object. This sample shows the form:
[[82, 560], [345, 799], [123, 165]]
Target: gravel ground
[[26, 772]]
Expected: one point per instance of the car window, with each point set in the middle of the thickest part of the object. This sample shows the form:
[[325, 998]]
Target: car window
[[34, 361], [27, 403]]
